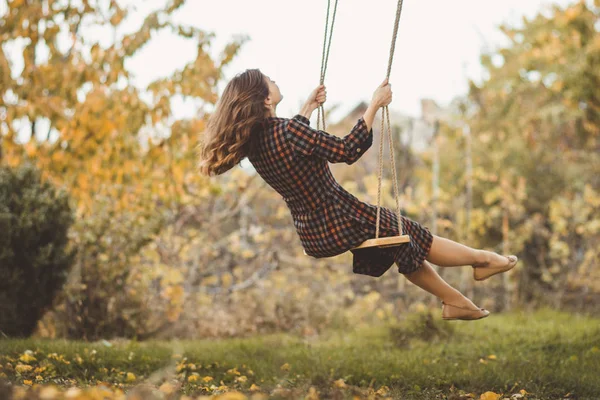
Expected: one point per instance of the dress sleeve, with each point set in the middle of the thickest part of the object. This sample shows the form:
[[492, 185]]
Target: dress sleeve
[[316, 143]]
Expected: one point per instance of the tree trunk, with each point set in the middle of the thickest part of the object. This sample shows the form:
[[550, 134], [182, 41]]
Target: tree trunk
[[467, 282], [505, 243]]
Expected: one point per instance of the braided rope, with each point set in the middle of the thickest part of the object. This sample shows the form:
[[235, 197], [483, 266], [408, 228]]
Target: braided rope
[[379, 175], [325, 57], [394, 36], [385, 120]]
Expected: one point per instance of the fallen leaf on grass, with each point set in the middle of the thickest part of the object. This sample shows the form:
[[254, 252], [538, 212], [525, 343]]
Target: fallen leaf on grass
[[383, 391], [312, 394], [489, 396], [232, 396], [167, 388], [254, 387], [339, 383]]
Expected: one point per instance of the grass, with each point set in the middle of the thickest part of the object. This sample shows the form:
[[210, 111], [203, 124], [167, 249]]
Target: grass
[[548, 354]]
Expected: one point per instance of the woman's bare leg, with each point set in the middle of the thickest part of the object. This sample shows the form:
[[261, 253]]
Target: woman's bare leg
[[447, 253], [428, 279]]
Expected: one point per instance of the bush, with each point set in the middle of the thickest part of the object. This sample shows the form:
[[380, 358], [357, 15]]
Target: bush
[[34, 222]]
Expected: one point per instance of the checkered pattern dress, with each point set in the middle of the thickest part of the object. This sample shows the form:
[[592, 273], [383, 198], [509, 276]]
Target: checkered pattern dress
[[294, 158]]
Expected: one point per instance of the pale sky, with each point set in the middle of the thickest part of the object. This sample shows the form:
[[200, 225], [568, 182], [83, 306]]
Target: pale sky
[[438, 47]]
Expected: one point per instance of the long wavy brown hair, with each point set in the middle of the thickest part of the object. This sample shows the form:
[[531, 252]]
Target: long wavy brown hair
[[240, 116]]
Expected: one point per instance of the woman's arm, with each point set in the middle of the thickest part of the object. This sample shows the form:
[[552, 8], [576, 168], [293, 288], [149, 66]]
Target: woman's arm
[[381, 98], [310, 142], [369, 115], [318, 96], [306, 111]]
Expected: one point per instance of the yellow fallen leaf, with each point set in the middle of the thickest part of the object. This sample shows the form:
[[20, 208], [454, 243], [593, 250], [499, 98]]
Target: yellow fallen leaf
[[259, 396], [339, 383], [167, 388], [254, 388], [382, 391], [489, 396], [21, 368], [312, 394], [130, 377], [233, 395], [27, 382], [285, 367], [49, 392], [27, 358], [492, 357]]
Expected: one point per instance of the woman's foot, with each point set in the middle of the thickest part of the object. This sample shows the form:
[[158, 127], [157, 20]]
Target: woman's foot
[[462, 308], [453, 312], [493, 264]]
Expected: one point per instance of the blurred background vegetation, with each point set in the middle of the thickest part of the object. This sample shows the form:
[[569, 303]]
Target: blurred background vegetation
[[129, 240]]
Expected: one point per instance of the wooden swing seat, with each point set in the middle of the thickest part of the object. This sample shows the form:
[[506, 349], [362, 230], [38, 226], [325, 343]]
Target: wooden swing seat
[[382, 242], [390, 241]]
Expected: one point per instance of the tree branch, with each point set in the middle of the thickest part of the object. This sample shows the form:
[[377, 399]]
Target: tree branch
[[255, 277]]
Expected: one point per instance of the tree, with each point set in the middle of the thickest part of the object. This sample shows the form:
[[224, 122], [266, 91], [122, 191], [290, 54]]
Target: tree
[[34, 254], [101, 137], [537, 141]]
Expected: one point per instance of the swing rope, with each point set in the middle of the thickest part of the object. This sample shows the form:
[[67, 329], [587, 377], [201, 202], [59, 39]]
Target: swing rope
[[386, 126], [325, 57]]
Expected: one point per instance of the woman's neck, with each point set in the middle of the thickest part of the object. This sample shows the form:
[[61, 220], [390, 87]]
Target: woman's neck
[[272, 112]]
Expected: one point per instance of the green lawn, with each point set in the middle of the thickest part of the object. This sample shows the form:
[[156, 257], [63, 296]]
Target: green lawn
[[550, 355]]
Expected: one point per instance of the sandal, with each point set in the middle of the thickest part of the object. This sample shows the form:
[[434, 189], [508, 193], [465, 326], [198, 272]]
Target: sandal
[[482, 271], [463, 313]]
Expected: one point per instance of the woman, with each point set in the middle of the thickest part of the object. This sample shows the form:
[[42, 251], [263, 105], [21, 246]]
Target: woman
[[293, 159]]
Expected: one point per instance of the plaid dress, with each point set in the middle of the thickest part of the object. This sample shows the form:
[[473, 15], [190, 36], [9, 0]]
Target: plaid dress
[[294, 158]]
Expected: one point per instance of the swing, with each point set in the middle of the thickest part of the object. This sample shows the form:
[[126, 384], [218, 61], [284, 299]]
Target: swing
[[389, 241]]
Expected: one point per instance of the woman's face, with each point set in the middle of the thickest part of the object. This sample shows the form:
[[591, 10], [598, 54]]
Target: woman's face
[[274, 94]]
